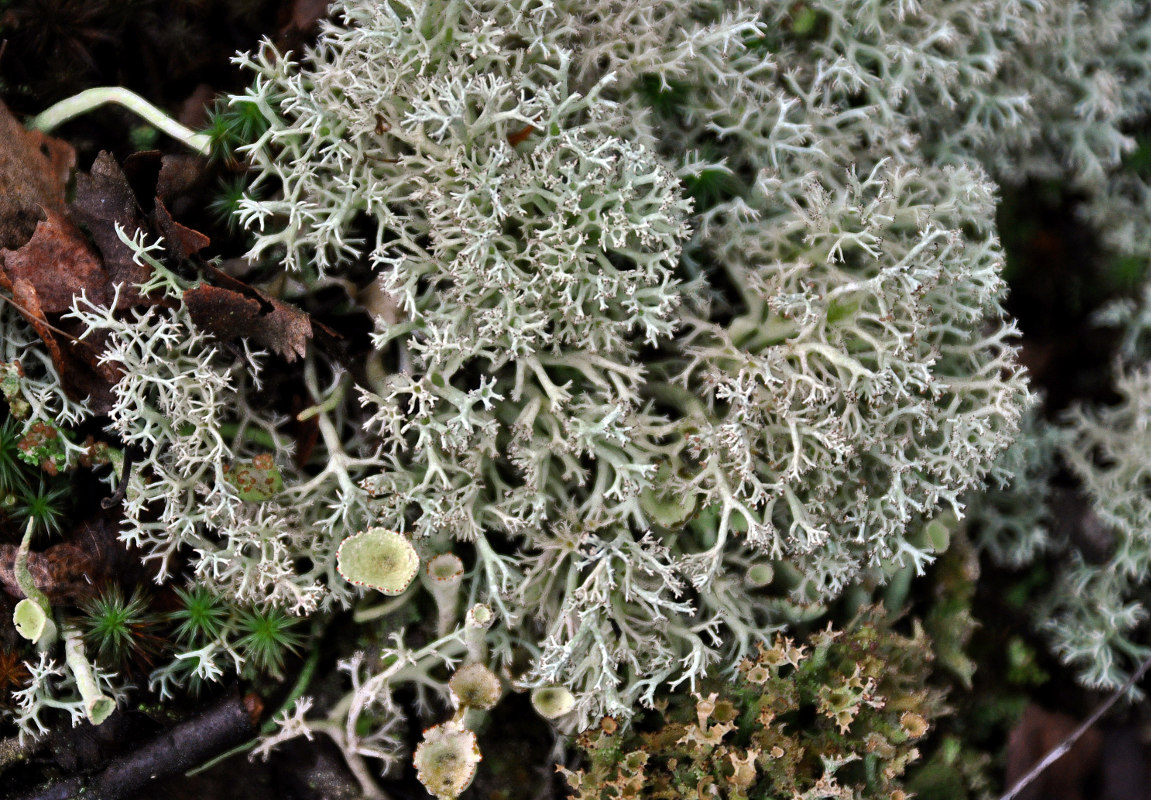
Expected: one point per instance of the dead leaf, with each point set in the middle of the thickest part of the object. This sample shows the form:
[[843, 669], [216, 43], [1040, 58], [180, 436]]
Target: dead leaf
[[194, 110], [34, 170], [142, 169], [179, 174], [59, 264], [234, 310], [54, 266], [24, 293], [82, 375], [180, 240], [77, 362], [73, 570], [104, 199]]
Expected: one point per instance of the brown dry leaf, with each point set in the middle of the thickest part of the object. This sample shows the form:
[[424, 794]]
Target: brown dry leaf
[[82, 376], [58, 263], [75, 569], [180, 240], [46, 271], [42, 277], [179, 174], [194, 110], [34, 171], [234, 309], [26, 299], [103, 199]]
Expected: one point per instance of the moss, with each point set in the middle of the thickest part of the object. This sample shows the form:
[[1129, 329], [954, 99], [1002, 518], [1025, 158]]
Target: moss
[[838, 715]]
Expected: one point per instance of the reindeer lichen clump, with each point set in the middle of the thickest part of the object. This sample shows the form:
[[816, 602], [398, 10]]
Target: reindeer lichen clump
[[672, 295], [687, 319]]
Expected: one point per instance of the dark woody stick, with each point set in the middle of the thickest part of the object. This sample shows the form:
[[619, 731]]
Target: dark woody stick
[[226, 724]]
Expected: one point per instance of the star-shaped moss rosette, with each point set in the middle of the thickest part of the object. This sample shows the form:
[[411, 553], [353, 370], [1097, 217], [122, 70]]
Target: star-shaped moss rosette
[[379, 559]]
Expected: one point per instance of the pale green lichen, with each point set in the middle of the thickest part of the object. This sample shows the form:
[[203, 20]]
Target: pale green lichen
[[572, 382], [446, 760], [379, 559], [688, 316]]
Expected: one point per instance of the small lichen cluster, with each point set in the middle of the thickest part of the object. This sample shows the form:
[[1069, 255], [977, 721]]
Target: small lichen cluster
[[186, 405], [837, 716], [1083, 97], [1094, 610], [200, 457]]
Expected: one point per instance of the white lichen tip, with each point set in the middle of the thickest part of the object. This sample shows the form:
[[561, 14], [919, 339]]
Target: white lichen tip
[[380, 559], [446, 760]]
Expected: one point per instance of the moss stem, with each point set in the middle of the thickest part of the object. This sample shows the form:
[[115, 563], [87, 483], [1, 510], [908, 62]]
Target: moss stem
[[91, 99]]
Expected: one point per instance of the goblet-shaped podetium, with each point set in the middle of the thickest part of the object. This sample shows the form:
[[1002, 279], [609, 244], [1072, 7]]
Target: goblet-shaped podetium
[[444, 574], [380, 559], [446, 759]]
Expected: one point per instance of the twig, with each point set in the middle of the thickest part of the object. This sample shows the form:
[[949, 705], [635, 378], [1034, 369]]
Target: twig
[[14, 750], [1061, 749], [301, 685], [122, 486], [42, 321], [173, 751]]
